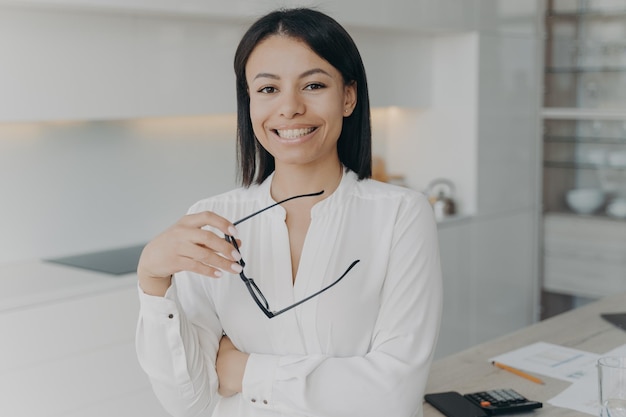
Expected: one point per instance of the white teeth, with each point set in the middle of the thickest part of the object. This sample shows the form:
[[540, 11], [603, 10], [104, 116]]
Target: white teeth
[[294, 133]]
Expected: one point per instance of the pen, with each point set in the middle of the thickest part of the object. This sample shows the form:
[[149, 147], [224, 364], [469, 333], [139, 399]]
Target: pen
[[518, 372]]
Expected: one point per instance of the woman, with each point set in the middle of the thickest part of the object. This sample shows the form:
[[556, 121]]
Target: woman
[[343, 313]]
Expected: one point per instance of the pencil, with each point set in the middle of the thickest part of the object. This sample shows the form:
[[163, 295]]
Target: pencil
[[518, 372]]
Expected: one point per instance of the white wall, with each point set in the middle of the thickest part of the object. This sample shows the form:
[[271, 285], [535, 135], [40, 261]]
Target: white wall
[[72, 187], [74, 65]]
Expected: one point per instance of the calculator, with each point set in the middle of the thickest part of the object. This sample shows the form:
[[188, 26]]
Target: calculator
[[502, 401]]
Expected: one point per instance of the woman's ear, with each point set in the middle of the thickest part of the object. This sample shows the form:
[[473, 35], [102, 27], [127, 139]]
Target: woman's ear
[[349, 98]]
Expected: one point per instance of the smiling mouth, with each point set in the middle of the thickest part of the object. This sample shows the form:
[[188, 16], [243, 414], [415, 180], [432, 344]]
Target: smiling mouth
[[294, 133]]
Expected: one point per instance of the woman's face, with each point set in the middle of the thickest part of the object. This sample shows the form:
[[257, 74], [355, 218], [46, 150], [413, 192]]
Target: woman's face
[[297, 102]]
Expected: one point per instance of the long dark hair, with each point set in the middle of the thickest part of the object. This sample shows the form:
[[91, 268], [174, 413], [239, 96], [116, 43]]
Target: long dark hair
[[330, 41]]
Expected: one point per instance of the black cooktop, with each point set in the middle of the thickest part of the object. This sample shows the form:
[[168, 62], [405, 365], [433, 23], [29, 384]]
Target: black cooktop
[[118, 261], [617, 319]]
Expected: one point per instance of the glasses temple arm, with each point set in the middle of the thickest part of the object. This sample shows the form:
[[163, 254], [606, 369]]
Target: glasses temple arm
[[275, 313], [276, 204]]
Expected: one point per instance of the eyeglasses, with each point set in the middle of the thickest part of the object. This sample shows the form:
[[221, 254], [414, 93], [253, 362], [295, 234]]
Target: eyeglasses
[[255, 292]]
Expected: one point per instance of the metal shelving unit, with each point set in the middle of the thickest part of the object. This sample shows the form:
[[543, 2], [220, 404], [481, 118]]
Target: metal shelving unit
[[585, 99], [584, 146]]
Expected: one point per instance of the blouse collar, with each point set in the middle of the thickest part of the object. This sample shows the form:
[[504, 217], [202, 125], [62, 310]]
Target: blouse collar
[[327, 205]]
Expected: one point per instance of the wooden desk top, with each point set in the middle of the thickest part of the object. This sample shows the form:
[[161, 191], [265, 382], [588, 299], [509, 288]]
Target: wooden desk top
[[582, 328]]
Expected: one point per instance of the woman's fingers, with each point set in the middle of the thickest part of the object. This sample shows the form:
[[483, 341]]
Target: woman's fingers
[[217, 244], [187, 246], [210, 260], [208, 218]]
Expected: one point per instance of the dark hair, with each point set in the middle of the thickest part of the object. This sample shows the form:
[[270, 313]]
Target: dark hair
[[330, 41]]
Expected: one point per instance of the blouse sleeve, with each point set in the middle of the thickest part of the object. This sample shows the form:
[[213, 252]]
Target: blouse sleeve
[[178, 353], [391, 378]]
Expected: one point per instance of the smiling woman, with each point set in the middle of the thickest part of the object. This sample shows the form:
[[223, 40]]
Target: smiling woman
[[335, 53], [350, 266]]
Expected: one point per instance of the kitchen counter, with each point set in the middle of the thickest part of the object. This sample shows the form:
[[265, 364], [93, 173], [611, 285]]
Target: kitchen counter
[[29, 283], [68, 345], [582, 328], [453, 220]]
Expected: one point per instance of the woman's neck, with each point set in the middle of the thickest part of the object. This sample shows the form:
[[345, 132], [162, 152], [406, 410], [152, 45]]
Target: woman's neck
[[295, 180]]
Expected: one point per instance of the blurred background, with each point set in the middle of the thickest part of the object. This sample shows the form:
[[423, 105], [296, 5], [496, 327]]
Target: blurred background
[[116, 116]]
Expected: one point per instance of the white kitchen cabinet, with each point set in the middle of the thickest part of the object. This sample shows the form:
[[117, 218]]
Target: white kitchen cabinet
[[398, 15], [503, 265], [398, 67], [490, 261], [488, 285], [73, 65], [102, 60], [504, 16], [508, 150], [584, 256], [68, 342], [455, 334], [80, 65]]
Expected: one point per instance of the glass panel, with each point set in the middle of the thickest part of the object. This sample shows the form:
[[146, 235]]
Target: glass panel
[[586, 89], [585, 69]]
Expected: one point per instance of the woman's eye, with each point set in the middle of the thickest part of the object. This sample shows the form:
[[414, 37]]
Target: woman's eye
[[267, 90], [314, 86]]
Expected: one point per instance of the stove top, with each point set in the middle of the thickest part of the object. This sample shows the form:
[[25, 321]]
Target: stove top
[[117, 261]]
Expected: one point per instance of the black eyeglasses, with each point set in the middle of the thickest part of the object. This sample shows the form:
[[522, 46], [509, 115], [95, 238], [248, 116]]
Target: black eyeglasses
[[254, 291]]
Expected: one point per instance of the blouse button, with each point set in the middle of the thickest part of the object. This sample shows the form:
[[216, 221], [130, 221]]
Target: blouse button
[[253, 400], [264, 401], [171, 316]]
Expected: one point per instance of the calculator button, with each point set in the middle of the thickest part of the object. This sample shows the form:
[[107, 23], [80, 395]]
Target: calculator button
[[502, 401]]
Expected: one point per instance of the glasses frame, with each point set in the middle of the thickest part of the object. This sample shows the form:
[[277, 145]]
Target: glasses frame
[[253, 289]]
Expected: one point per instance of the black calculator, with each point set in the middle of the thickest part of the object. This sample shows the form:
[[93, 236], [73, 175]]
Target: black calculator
[[502, 401]]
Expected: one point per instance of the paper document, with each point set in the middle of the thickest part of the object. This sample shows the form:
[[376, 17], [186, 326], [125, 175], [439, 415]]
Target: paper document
[[551, 360], [583, 394]]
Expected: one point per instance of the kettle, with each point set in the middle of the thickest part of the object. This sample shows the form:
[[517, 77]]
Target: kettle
[[441, 196]]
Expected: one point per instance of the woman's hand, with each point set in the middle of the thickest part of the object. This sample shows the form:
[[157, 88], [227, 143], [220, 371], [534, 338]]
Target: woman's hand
[[185, 246], [230, 365]]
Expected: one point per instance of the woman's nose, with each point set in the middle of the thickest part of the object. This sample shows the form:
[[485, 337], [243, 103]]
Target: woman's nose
[[291, 104]]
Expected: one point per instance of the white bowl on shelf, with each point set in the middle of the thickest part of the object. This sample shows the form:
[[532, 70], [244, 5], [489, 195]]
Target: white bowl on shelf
[[617, 208], [585, 200], [617, 159]]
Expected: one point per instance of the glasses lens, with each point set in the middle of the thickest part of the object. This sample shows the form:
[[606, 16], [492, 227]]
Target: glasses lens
[[257, 294]]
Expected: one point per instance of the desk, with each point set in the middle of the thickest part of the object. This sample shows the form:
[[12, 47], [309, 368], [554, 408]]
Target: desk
[[582, 328]]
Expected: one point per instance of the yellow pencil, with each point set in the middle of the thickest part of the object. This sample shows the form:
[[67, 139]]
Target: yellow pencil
[[518, 372]]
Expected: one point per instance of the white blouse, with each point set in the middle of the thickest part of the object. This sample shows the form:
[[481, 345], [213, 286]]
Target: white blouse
[[362, 348]]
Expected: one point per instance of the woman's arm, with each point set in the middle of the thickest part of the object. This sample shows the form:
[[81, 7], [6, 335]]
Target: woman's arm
[[230, 366], [177, 350], [177, 347]]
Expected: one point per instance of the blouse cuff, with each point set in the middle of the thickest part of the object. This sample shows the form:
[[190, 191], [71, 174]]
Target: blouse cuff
[[258, 380], [159, 307]]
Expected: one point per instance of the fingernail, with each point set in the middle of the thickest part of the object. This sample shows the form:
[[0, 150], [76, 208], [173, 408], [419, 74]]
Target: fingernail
[[236, 255], [233, 232], [217, 274], [236, 268]]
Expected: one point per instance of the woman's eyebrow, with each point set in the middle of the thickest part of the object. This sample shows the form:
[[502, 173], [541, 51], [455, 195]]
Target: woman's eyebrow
[[266, 75], [303, 75], [314, 71]]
